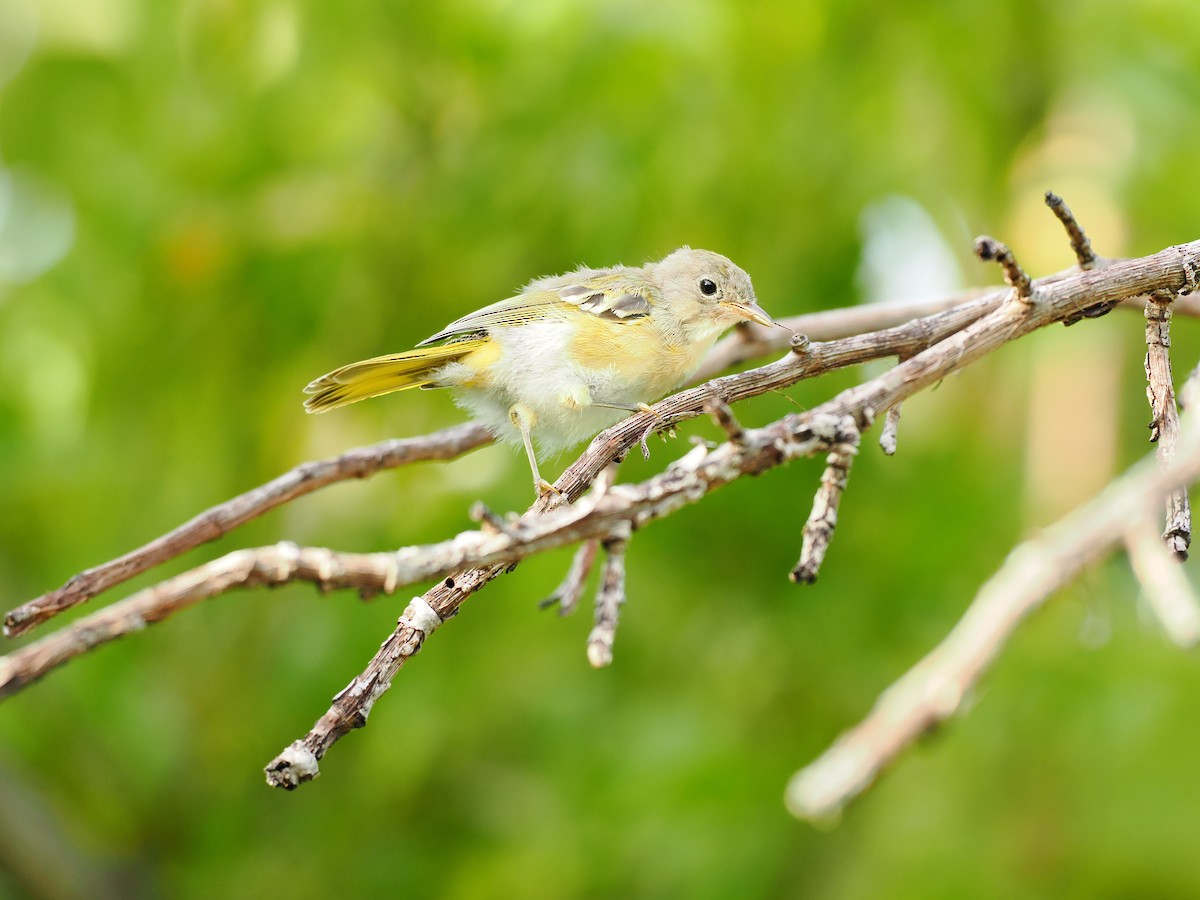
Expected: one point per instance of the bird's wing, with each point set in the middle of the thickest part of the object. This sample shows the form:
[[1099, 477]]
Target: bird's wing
[[618, 298]]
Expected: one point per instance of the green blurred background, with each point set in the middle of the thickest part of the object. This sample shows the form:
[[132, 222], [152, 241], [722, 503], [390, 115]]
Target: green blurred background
[[205, 204]]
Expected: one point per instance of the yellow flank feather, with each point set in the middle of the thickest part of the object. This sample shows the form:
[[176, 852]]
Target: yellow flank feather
[[637, 351], [384, 374]]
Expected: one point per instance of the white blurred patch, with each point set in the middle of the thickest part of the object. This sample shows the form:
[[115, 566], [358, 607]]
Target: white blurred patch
[[904, 256], [37, 225]]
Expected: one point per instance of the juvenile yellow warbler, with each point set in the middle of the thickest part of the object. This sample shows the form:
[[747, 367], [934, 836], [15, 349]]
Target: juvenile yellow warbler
[[569, 355]]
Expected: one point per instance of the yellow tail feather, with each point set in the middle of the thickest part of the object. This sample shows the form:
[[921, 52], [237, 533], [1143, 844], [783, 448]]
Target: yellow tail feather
[[382, 375]]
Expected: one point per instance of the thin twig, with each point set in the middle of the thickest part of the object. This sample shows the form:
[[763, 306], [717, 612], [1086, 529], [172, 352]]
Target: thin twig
[[891, 428], [1164, 426], [268, 566], [566, 595], [1080, 243], [935, 688], [211, 524], [352, 705], [891, 425], [834, 324], [610, 597], [757, 341], [991, 250], [818, 530]]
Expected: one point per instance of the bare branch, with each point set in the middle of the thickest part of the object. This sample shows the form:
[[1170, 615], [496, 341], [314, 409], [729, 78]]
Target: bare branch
[[936, 687], [267, 566], [1164, 426], [211, 524], [756, 341], [891, 427], [352, 705]]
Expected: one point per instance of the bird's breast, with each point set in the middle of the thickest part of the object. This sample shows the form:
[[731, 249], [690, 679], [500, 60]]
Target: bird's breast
[[642, 360]]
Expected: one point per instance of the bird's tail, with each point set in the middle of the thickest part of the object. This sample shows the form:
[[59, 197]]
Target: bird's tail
[[382, 375]]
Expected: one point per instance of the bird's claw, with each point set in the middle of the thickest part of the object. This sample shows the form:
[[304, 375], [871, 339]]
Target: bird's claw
[[546, 489]]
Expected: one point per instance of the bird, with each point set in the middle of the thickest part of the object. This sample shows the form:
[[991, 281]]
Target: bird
[[569, 354]]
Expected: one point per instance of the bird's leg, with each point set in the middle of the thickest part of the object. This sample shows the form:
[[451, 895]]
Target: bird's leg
[[663, 425], [630, 407], [647, 408], [525, 418], [663, 428]]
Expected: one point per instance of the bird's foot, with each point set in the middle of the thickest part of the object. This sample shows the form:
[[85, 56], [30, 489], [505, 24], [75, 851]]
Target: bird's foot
[[546, 489]]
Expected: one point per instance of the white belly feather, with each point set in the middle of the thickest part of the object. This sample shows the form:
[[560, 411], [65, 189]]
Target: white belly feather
[[534, 368]]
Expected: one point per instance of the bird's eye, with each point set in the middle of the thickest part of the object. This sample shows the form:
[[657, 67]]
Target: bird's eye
[[708, 287]]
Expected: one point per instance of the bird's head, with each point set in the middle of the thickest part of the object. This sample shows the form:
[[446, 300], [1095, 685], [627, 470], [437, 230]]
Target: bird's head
[[706, 291]]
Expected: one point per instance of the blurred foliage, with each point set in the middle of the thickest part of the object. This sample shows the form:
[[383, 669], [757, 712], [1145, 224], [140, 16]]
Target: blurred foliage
[[205, 204]]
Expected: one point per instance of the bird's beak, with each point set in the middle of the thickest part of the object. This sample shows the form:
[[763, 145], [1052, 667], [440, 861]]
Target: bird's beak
[[750, 310]]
